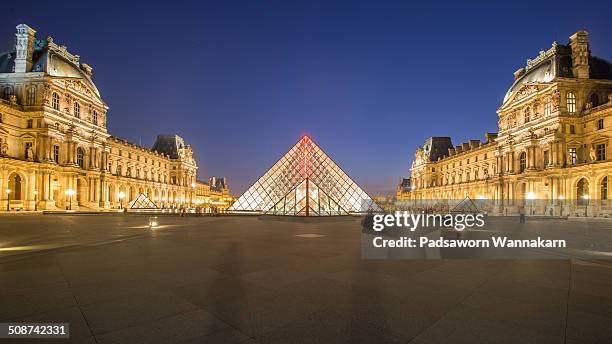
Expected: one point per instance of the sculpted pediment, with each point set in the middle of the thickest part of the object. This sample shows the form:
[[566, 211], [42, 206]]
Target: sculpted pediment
[[523, 92], [78, 86], [600, 138]]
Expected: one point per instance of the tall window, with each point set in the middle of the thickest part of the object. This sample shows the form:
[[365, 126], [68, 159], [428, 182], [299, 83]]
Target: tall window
[[29, 123], [573, 155], [546, 159], [94, 118], [547, 107], [601, 152], [0, 118], [80, 155], [522, 162], [8, 92], [56, 154], [77, 110], [55, 101], [572, 129], [527, 115], [604, 188], [32, 96], [571, 102], [594, 100], [600, 124]]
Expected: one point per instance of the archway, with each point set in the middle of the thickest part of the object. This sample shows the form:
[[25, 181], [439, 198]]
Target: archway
[[82, 190], [15, 185], [582, 192]]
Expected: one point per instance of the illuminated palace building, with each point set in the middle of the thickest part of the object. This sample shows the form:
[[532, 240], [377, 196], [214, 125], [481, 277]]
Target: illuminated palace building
[[55, 151], [552, 145]]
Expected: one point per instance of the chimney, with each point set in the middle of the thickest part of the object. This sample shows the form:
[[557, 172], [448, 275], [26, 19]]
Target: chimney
[[519, 73], [24, 48], [579, 42]]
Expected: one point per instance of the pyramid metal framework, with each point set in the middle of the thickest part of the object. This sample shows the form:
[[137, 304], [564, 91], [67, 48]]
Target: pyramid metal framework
[[142, 202], [305, 182]]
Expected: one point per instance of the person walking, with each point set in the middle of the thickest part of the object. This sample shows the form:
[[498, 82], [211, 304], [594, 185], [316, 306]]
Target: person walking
[[522, 214]]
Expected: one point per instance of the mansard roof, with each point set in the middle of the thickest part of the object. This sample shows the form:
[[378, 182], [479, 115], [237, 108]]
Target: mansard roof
[[553, 63], [53, 60], [169, 145]]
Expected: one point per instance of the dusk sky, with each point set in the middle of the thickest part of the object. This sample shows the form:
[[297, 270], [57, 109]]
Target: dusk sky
[[242, 81]]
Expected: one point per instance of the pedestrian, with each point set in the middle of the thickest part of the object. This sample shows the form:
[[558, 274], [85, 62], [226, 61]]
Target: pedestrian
[[522, 214]]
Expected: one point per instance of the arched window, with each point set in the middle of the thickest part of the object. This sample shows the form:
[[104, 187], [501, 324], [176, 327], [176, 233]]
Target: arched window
[[582, 192], [547, 107], [32, 96], [94, 118], [522, 162], [119, 170], [594, 100], [8, 92], [571, 102], [77, 110], [129, 172], [604, 188], [15, 187], [80, 156], [527, 115], [55, 101]]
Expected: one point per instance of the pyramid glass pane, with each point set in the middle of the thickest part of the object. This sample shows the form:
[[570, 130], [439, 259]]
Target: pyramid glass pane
[[142, 202], [305, 182]]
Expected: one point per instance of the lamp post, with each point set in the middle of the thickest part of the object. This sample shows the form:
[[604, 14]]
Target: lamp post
[[121, 197], [35, 200], [586, 207], [70, 193], [192, 193], [561, 198], [8, 199]]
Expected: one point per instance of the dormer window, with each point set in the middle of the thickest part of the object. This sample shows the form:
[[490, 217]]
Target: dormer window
[[77, 110], [8, 92], [571, 102], [594, 100], [527, 115], [94, 118], [55, 101]]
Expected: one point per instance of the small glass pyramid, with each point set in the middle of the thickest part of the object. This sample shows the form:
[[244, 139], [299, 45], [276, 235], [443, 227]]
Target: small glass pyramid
[[305, 182], [142, 202]]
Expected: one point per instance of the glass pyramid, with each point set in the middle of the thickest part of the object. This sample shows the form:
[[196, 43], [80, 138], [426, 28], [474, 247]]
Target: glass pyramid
[[305, 182], [142, 202]]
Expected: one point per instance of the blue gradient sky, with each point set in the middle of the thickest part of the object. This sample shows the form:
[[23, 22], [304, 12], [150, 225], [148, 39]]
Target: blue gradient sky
[[369, 81]]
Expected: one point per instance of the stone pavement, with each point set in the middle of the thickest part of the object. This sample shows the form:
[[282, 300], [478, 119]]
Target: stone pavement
[[252, 280]]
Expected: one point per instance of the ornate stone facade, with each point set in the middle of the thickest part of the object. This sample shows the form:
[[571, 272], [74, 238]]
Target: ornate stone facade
[[55, 151], [552, 146]]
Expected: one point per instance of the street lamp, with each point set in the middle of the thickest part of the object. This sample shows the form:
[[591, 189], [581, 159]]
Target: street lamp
[[121, 197], [35, 200], [70, 193], [8, 199]]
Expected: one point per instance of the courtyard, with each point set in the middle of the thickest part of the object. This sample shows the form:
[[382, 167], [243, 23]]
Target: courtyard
[[233, 279]]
